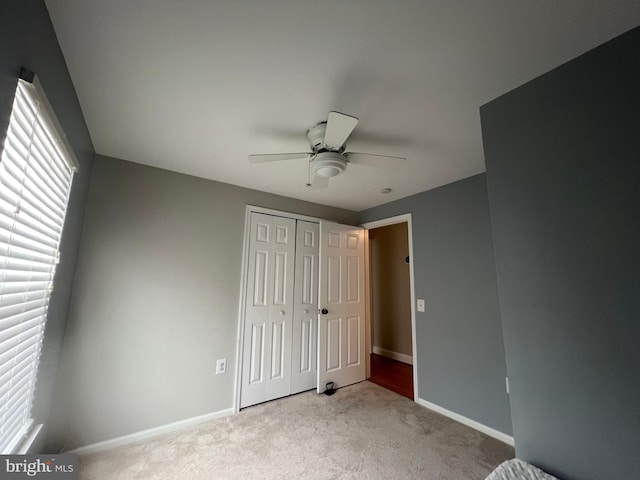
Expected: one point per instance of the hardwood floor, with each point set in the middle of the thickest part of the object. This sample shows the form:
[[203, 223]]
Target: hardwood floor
[[392, 374]]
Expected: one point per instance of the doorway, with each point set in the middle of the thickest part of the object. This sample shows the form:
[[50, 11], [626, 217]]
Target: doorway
[[391, 315]]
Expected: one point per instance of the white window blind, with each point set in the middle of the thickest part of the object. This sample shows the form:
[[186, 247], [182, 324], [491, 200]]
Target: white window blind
[[36, 171]]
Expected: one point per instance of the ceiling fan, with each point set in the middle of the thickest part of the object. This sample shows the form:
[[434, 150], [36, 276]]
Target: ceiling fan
[[328, 157]]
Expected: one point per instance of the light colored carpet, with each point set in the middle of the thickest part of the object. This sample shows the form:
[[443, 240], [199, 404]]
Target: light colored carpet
[[362, 432]]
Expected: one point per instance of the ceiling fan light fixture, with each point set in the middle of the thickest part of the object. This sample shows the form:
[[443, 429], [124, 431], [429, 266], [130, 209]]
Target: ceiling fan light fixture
[[328, 164], [328, 171]]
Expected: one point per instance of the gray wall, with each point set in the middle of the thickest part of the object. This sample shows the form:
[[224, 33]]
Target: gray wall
[[390, 288], [27, 40], [155, 301], [563, 164], [460, 352]]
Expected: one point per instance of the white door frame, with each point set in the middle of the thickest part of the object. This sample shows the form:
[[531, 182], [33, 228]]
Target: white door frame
[[405, 218], [243, 277]]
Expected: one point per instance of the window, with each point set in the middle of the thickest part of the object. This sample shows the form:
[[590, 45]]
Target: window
[[36, 170]]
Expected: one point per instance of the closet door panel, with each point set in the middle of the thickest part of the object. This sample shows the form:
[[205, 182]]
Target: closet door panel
[[266, 363], [305, 311]]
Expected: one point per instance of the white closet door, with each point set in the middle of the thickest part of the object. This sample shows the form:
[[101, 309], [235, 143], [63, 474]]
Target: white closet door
[[341, 328], [266, 365], [305, 311]]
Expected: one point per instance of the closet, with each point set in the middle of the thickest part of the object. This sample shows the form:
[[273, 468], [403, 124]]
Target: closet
[[280, 309]]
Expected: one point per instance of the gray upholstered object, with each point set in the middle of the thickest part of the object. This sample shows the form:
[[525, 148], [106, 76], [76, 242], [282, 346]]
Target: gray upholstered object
[[518, 470]]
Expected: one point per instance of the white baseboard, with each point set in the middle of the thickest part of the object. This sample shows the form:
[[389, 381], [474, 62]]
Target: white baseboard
[[503, 437], [401, 357], [150, 433]]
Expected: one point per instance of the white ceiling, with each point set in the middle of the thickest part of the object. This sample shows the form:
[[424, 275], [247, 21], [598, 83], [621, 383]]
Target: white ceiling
[[195, 86]]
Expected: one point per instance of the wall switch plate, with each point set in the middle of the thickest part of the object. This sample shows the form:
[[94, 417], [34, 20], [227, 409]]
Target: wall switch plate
[[221, 366], [420, 303]]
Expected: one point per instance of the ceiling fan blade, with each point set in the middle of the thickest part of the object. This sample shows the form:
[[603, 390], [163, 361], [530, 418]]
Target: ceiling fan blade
[[339, 127], [275, 157], [319, 182], [379, 161]]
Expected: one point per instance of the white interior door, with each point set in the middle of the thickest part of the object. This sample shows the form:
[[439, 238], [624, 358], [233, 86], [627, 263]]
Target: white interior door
[[304, 361], [341, 330], [266, 365]]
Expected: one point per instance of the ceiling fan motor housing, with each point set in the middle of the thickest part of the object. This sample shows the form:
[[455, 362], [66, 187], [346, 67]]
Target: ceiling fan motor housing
[[328, 164], [316, 136]]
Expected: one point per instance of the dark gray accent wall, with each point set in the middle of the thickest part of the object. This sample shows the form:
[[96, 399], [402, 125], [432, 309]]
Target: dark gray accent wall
[[155, 301], [27, 39], [460, 353], [563, 170]]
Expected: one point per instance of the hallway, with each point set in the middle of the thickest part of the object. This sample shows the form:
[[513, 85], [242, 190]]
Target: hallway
[[392, 374]]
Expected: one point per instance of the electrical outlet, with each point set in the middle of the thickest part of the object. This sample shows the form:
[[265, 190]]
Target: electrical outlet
[[420, 305], [221, 366]]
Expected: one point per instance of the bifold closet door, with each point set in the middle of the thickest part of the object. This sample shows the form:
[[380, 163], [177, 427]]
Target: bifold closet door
[[266, 363], [305, 310]]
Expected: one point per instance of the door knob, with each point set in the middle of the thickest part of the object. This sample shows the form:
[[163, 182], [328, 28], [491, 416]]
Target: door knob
[[306, 310], [324, 311], [282, 312]]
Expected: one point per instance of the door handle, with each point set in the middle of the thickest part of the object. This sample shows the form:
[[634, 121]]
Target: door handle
[[324, 311], [282, 312]]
